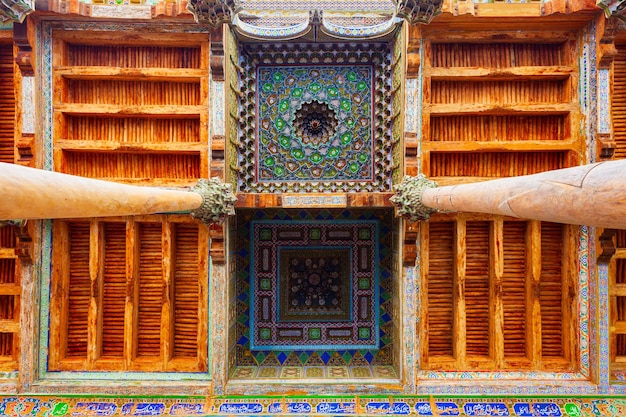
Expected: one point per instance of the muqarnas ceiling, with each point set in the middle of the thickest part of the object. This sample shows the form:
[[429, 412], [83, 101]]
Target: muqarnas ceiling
[[313, 118]]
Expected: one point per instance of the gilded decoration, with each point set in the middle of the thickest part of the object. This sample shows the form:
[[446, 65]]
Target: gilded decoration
[[315, 118]]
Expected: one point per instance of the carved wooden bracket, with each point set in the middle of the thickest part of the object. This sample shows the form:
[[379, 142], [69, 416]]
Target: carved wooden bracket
[[410, 153], [217, 54], [607, 245], [22, 230], [217, 156], [216, 249], [413, 52], [410, 254], [606, 48], [605, 146], [26, 149], [24, 50]]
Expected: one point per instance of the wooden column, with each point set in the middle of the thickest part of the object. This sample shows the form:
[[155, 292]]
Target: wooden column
[[27, 193], [593, 195]]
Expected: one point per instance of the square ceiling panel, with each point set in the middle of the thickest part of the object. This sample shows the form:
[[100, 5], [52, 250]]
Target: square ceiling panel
[[315, 118], [314, 285], [315, 123]]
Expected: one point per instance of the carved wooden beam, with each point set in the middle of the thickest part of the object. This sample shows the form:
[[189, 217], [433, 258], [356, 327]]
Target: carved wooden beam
[[217, 54], [413, 52], [24, 51], [592, 195], [29, 193]]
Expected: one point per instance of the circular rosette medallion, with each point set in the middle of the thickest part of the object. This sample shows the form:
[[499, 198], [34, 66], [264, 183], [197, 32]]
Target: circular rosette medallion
[[315, 123]]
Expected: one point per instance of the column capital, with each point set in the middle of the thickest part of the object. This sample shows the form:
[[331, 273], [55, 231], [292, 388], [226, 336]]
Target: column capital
[[218, 201], [408, 197]]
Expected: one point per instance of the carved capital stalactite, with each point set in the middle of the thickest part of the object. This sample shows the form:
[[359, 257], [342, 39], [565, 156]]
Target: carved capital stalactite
[[217, 54], [213, 12], [408, 198], [418, 11], [218, 201], [15, 10]]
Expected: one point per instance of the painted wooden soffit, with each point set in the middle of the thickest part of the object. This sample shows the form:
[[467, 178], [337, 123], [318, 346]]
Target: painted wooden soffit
[[290, 19], [15, 10], [120, 9]]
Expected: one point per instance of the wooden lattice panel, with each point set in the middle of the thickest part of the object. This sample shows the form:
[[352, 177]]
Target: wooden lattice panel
[[131, 295], [618, 102], [10, 289], [7, 104], [440, 288], [133, 113], [514, 273], [498, 109], [617, 294], [497, 295], [10, 292]]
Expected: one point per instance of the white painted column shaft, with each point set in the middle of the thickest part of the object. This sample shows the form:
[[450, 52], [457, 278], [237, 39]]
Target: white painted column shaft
[[593, 195], [28, 193]]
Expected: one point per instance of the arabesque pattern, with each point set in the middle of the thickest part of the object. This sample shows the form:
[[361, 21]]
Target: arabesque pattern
[[315, 118], [315, 123], [328, 235], [314, 284]]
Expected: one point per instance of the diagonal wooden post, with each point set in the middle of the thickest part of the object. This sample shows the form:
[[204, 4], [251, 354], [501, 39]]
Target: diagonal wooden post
[[592, 195], [28, 193]]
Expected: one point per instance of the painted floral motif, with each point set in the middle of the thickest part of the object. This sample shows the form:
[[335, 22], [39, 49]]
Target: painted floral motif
[[315, 123], [314, 118]]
